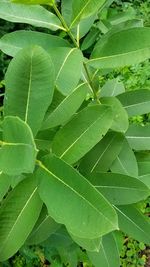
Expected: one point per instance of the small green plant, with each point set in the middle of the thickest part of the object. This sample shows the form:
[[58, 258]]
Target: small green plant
[[73, 170]]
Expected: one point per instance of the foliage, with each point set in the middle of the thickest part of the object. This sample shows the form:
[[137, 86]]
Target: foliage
[[73, 170]]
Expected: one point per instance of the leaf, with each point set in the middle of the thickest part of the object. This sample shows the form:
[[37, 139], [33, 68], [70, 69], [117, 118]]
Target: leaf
[[125, 163], [108, 256], [119, 189], [12, 43], [34, 15], [101, 157], [83, 9], [17, 217], [92, 215], [18, 143], [44, 227], [66, 108], [90, 39], [68, 63], [143, 160], [112, 88], [130, 46], [32, 2], [4, 184], [139, 137], [134, 223], [74, 140], [120, 121], [136, 102], [88, 244], [24, 85]]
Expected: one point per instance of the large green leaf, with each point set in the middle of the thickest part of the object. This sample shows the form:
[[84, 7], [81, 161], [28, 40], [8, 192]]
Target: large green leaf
[[30, 84], [5, 182], [68, 64], [31, 2], [44, 227], [78, 205], [125, 163], [139, 137], [134, 223], [83, 9], [82, 133], [18, 215], [12, 43], [136, 102], [67, 107], [37, 16], [18, 151], [88, 244], [120, 121], [143, 160], [108, 256], [119, 189], [101, 157], [112, 87], [123, 48]]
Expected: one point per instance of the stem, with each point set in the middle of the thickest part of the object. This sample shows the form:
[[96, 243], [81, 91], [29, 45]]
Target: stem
[[76, 45]]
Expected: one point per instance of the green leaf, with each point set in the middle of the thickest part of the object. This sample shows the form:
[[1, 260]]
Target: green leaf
[[18, 215], [101, 157], [5, 182], [34, 2], [67, 107], [83, 9], [143, 160], [92, 215], [130, 46], [120, 121], [125, 163], [68, 63], [12, 43], [25, 86], [119, 189], [44, 227], [17, 147], [112, 88], [37, 16], [134, 223], [139, 137], [136, 102], [88, 244], [108, 256], [74, 140]]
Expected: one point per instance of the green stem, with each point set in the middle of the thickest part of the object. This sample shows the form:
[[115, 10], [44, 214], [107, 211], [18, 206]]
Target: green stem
[[76, 45]]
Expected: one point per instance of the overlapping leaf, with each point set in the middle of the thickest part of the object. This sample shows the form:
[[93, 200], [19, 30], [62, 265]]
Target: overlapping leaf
[[25, 86], [82, 133], [119, 189], [108, 255], [101, 157], [92, 215], [66, 108], [68, 64], [136, 102], [134, 223], [37, 16], [17, 217], [128, 47], [139, 137], [12, 43], [125, 162], [17, 147]]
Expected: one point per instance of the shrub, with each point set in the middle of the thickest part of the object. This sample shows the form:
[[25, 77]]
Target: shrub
[[73, 169]]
